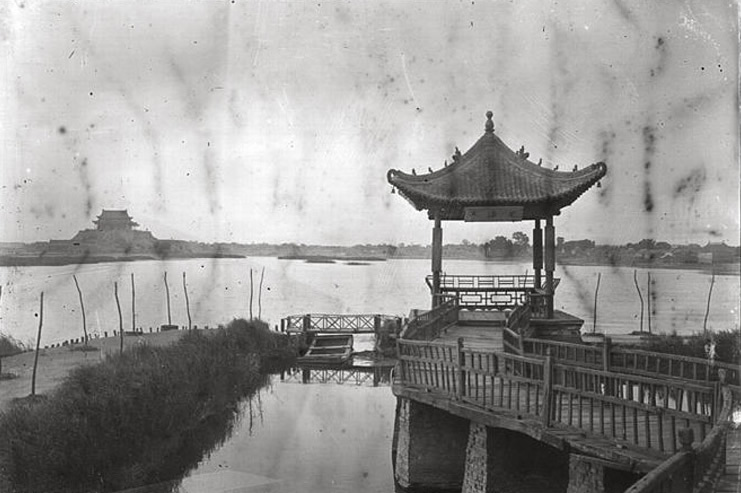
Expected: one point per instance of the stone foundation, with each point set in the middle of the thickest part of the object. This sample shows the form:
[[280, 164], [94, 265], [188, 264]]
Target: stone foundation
[[499, 460], [430, 447], [585, 476]]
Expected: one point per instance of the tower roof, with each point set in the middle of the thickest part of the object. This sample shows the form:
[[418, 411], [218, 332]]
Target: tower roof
[[490, 174], [114, 214]]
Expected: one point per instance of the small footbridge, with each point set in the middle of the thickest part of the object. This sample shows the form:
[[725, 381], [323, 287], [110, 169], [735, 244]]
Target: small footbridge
[[621, 419], [340, 324]]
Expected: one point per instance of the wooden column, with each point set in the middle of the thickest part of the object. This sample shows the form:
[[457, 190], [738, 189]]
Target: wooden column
[[437, 259], [550, 262], [538, 253]]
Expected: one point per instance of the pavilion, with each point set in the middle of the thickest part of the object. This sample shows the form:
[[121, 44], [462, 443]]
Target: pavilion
[[492, 183]]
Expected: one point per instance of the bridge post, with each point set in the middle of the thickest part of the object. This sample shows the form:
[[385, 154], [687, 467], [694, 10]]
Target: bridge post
[[307, 322], [606, 350], [547, 387], [461, 373], [686, 477]]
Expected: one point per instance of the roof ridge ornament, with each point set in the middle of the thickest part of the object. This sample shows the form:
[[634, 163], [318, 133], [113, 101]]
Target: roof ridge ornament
[[489, 127]]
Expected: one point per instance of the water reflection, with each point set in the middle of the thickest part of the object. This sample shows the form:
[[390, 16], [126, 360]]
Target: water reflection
[[295, 436]]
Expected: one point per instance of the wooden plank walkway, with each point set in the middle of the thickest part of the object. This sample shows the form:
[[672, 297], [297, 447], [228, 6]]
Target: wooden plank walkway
[[730, 481], [478, 337]]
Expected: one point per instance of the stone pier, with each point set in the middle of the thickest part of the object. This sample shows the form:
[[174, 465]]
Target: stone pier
[[437, 450], [430, 447]]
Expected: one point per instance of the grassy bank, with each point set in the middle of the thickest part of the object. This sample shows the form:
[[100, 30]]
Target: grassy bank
[[8, 347], [143, 417]]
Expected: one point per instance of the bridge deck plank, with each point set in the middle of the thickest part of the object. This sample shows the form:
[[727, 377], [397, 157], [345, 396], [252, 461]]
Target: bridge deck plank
[[485, 337]]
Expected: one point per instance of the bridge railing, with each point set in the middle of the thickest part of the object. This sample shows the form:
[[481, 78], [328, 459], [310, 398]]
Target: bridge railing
[[495, 381], [644, 411], [583, 354], [334, 323], [504, 382], [631, 360], [489, 292], [670, 365], [694, 468], [428, 325], [632, 409]]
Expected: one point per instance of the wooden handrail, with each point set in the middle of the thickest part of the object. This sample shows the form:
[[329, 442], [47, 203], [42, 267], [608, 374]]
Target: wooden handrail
[[634, 361], [428, 325], [696, 467]]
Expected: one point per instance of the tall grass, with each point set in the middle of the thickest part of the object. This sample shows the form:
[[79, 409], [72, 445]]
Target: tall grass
[[10, 346], [142, 417], [727, 345]]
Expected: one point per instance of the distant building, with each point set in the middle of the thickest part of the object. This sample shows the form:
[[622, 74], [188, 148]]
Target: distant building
[[114, 235], [115, 221]]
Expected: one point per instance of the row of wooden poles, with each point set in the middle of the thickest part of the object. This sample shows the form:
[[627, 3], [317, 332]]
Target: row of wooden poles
[[648, 300], [133, 313]]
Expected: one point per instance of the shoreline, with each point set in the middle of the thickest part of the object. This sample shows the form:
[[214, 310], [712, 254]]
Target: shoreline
[[60, 260], [54, 261], [55, 363]]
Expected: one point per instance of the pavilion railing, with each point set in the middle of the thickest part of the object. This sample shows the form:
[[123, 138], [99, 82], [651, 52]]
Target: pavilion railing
[[631, 409], [428, 325], [490, 292], [333, 323]]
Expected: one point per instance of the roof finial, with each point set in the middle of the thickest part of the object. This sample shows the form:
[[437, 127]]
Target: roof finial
[[489, 124]]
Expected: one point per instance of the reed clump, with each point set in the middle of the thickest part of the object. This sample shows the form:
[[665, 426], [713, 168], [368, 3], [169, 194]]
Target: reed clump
[[141, 417], [9, 346], [727, 345]]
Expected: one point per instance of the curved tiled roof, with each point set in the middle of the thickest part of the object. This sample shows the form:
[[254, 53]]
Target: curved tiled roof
[[492, 174]]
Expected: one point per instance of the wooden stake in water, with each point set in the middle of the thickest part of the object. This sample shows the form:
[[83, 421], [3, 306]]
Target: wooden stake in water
[[259, 295], [251, 289], [707, 308], [133, 304], [82, 307], [120, 317], [187, 302], [596, 291], [167, 292], [648, 297], [635, 281], [38, 344]]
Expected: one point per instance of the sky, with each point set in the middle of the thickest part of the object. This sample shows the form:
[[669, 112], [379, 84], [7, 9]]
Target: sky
[[276, 121]]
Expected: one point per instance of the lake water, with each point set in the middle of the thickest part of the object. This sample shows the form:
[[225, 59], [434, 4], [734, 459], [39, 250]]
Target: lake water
[[307, 438], [219, 290], [321, 437]]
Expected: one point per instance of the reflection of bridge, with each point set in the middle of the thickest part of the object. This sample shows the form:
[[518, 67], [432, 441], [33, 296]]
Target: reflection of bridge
[[340, 374], [339, 324], [618, 418]]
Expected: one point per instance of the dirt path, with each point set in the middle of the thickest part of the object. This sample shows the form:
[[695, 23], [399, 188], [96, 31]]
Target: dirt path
[[56, 363]]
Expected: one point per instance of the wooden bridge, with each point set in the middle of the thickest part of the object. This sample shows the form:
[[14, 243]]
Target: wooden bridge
[[660, 418]]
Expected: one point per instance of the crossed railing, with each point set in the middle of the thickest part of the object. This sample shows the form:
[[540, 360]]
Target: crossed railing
[[344, 324]]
